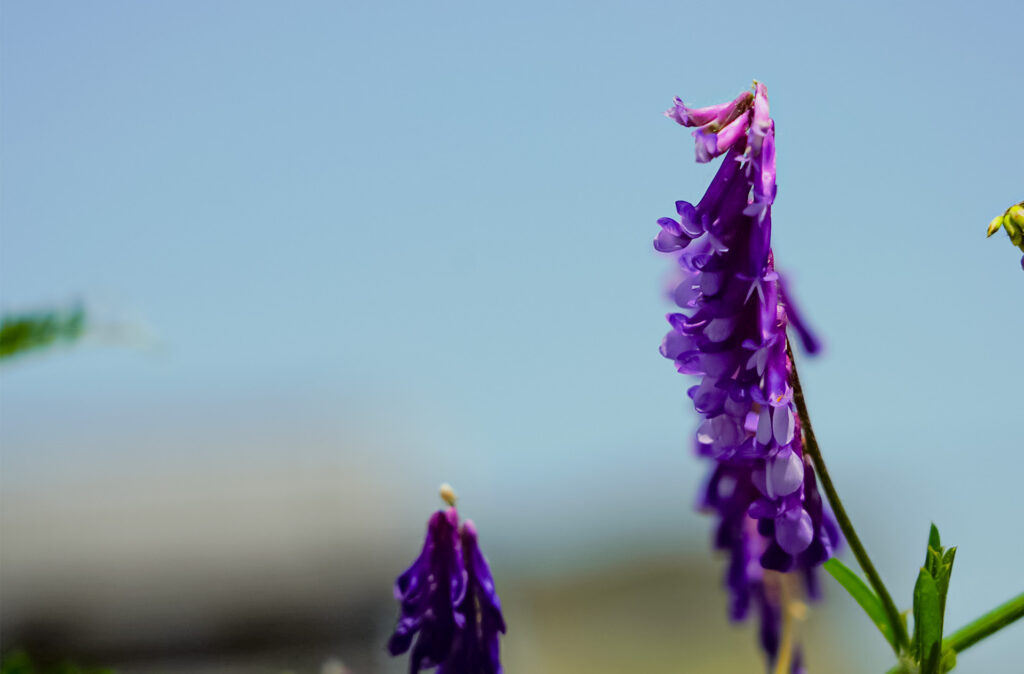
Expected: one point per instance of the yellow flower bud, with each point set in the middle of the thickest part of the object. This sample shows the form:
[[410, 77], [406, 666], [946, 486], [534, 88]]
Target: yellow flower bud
[[994, 226]]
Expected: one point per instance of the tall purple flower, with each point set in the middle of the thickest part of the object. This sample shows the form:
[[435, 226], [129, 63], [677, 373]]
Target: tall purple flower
[[731, 333], [448, 602]]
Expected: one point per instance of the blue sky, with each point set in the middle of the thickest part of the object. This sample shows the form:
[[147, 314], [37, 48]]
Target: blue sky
[[433, 221]]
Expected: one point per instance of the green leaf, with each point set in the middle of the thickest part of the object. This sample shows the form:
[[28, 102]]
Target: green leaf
[[863, 595], [933, 554], [933, 538], [927, 623], [942, 579]]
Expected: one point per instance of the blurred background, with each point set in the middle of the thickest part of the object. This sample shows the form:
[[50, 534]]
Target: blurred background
[[335, 253]]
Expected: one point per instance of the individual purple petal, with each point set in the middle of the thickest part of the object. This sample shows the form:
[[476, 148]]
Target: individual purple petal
[[708, 397], [720, 432], [782, 425], [794, 530], [688, 325], [764, 426], [728, 136], [686, 294], [719, 329], [689, 362], [785, 473], [711, 283], [671, 226], [689, 219], [764, 183], [761, 121], [706, 144], [675, 344], [666, 242]]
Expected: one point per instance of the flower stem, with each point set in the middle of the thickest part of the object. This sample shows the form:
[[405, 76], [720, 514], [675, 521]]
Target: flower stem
[[811, 447], [991, 622]]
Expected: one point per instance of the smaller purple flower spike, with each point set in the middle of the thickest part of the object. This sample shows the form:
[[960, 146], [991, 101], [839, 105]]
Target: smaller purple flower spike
[[448, 598], [429, 591]]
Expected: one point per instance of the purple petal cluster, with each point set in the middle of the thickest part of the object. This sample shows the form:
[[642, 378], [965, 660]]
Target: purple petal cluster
[[449, 605], [731, 334]]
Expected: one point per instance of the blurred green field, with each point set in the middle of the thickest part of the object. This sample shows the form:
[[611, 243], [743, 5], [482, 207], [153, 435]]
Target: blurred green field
[[656, 616]]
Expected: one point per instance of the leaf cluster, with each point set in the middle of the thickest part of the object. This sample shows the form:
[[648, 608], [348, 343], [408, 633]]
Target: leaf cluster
[[20, 333], [930, 607], [924, 654]]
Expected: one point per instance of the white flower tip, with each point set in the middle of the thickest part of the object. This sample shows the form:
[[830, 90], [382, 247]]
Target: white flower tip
[[448, 494]]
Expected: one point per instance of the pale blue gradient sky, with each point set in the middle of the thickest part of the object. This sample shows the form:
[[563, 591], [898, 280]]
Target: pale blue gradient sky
[[434, 220]]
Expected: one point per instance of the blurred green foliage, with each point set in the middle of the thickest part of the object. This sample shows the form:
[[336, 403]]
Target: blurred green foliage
[[21, 333], [19, 662]]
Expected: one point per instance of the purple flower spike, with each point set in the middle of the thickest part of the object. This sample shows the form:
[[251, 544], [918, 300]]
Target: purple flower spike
[[448, 599], [428, 591], [731, 332]]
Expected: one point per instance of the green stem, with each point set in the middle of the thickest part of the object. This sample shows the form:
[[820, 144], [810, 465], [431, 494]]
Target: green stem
[[991, 622], [811, 448]]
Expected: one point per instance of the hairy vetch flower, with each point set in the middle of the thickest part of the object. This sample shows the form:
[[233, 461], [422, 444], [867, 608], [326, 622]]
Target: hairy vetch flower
[[448, 602], [731, 333]]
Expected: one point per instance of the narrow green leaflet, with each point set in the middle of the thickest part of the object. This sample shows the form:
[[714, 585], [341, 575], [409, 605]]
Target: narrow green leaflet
[[927, 623], [934, 541], [863, 595], [942, 579]]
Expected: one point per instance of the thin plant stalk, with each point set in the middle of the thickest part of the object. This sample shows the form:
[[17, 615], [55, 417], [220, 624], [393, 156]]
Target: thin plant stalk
[[812, 448], [991, 622]]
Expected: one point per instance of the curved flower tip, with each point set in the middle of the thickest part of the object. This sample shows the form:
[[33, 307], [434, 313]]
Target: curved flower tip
[[686, 116], [449, 604]]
